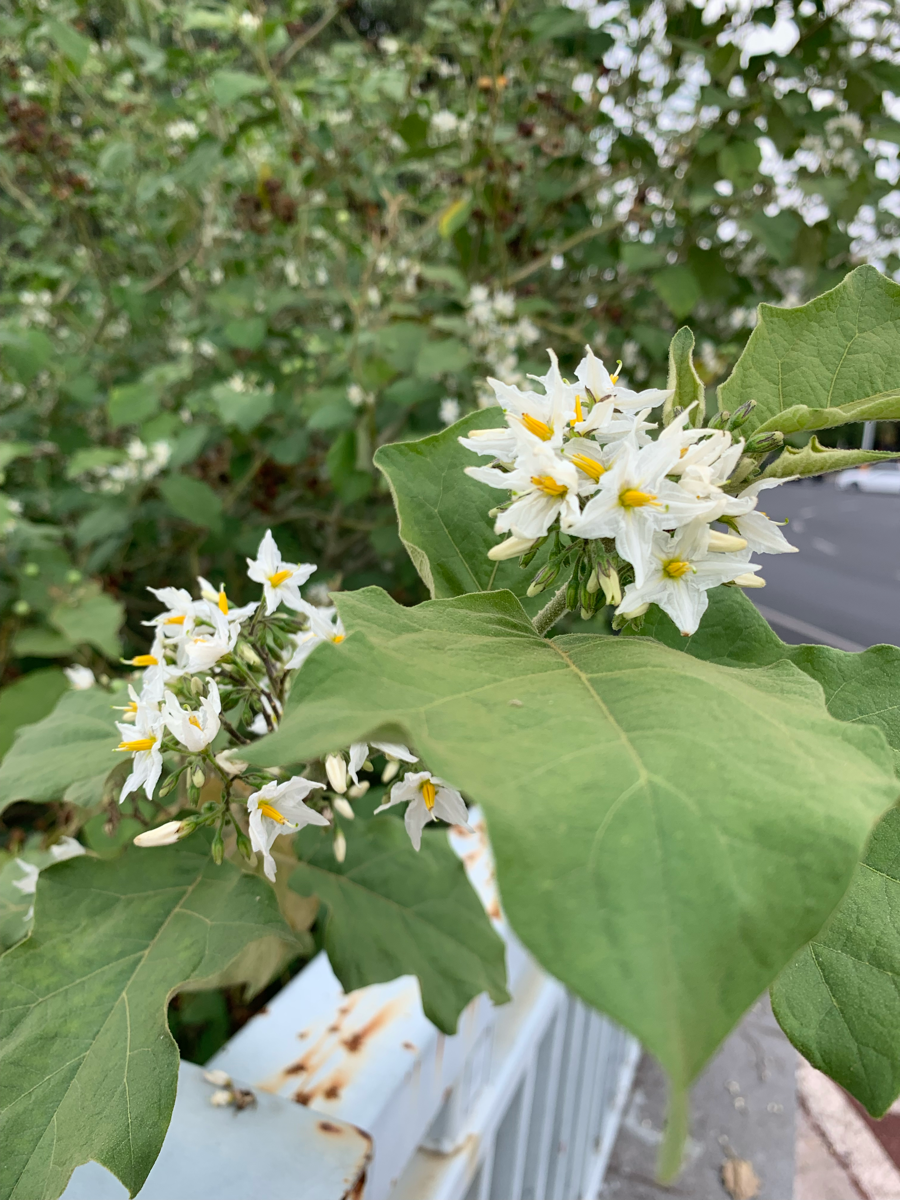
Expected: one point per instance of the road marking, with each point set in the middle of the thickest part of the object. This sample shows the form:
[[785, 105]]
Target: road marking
[[824, 547], [807, 630]]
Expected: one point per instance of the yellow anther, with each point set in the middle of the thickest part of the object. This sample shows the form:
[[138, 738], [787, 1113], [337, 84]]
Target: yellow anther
[[223, 600], [174, 620], [131, 707], [272, 813], [633, 498], [194, 721], [137, 745], [676, 567], [279, 577], [337, 638], [588, 465], [579, 411], [427, 789], [548, 485], [539, 428], [145, 660]]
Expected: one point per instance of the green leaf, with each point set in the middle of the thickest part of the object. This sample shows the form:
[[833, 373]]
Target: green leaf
[[829, 362], [76, 741], [133, 403], [445, 357], [229, 86], [739, 161], [10, 451], [40, 642], [192, 500], [94, 618], [245, 410], [839, 1000], [454, 216], [16, 905], [815, 459], [88, 1065], [663, 874], [678, 289], [27, 700], [443, 514], [26, 350], [69, 43], [394, 912], [686, 384], [556, 22], [248, 334]]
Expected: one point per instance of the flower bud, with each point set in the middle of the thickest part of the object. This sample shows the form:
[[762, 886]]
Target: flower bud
[[162, 835], [719, 420], [572, 594], [612, 588], [222, 1098], [340, 805], [635, 612], [721, 543], [749, 581], [528, 556], [196, 685], [218, 848], [243, 845], [513, 547], [762, 443], [168, 786], [198, 778], [545, 576], [248, 654], [336, 770], [359, 789], [593, 583], [340, 847], [740, 415], [390, 771]]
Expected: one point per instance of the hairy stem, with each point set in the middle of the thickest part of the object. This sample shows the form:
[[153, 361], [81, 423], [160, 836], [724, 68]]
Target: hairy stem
[[551, 612]]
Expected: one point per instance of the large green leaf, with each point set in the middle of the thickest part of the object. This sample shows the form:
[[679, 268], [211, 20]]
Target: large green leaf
[[668, 832], [94, 618], [839, 1000], [26, 700], [88, 1067], [394, 912], [815, 459], [443, 514], [834, 360], [75, 742]]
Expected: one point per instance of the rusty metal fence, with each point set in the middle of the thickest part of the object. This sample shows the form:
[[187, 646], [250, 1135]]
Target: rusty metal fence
[[363, 1096]]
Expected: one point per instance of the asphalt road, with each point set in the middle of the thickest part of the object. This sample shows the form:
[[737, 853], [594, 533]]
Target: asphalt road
[[843, 588]]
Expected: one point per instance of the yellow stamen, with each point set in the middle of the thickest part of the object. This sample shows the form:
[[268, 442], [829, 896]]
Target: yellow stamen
[[579, 412], [633, 498], [279, 577], [223, 601], [272, 813], [676, 567], [338, 638], [174, 620], [131, 707], [428, 793], [145, 660], [138, 744], [194, 721], [588, 465], [539, 428], [614, 379], [548, 485]]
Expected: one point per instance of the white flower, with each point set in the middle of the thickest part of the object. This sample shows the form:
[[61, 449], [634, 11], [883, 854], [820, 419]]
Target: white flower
[[27, 885], [207, 646], [278, 808], [428, 798], [162, 835], [217, 597], [603, 386], [324, 626], [545, 487], [281, 580], [142, 740], [180, 131], [444, 122], [761, 534], [679, 572], [249, 22], [66, 847], [158, 673], [80, 678], [534, 418], [513, 547], [195, 730], [635, 500], [178, 618], [448, 410], [393, 751]]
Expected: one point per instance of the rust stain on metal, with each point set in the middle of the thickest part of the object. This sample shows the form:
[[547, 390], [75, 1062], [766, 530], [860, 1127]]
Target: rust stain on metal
[[358, 1190], [409, 1046], [328, 1127], [493, 910], [329, 1088], [355, 1042]]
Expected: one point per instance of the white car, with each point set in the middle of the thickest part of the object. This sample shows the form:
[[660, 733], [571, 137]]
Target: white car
[[874, 477]]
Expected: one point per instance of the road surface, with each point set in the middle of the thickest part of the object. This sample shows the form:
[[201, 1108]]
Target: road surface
[[843, 588]]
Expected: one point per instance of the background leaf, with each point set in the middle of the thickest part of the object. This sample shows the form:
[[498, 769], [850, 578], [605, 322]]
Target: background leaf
[[27, 700], [663, 874], [93, 618], [88, 1068], [394, 912]]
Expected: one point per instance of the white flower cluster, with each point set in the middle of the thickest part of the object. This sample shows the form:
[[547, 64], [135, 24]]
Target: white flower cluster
[[142, 462], [203, 659], [494, 332], [579, 458]]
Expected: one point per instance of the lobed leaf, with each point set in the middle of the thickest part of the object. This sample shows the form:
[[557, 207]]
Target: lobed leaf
[[686, 385], [815, 459], [663, 875]]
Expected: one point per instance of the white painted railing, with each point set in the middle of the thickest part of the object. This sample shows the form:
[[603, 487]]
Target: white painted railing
[[522, 1103]]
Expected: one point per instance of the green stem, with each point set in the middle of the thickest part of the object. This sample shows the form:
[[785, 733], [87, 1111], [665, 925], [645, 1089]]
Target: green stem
[[551, 612], [672, 1149]]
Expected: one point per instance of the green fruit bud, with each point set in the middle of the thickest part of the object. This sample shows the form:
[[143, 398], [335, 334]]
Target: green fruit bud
[[168, 785], [543, 579], [193, 794], [243, 845], [74, 577], [218, 848], [740, 415], [572, 594], [198, 778], [763, 443], [719, 420]]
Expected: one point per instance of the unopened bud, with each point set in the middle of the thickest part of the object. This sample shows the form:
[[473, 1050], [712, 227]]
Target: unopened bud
[[168, 785], [196, 685], [248, 654], [336, 770], [593, 583], [193, 794], [572, 594], [635, 612], [543, 579], [340, 805], [762, 443], [612, 588], [198, 778], [162, 835], [21, 608], [222, 1098], [218, 848], [722, 543], [740, 415], [359, 789], [513, 547], [340, 847], [219, 1079], [528, 556], [749, 580], [231, 766], [719, 420], [390, 771], [31, 569], [243, 845]]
